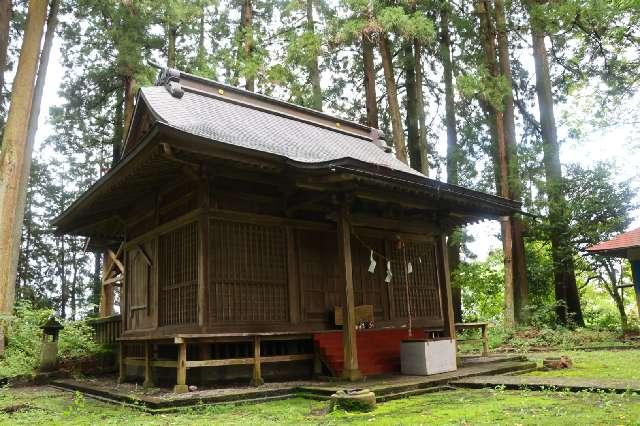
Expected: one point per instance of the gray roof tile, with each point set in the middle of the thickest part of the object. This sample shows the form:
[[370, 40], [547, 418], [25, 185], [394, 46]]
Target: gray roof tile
[[247, 127]]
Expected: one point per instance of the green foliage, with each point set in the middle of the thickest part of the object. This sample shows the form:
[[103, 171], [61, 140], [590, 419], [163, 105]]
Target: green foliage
[[482, 288], [24, 340]]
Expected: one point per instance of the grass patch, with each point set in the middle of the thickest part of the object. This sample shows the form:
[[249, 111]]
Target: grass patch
[[593, 364], [481, 406]]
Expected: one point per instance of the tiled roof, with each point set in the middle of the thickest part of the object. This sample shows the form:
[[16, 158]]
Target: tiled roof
[[221, 120], [623, 241]]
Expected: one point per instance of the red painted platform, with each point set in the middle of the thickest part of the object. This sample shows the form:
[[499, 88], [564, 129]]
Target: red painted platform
[[378, 350]]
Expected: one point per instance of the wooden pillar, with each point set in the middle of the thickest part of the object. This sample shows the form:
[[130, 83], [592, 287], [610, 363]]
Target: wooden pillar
[[292, 277], [203, 259], [148, 374], [350, 347], [485, 340], [181, 370], [635, 276], [445, 286], [122, 372], [256, 380], [106, 291]]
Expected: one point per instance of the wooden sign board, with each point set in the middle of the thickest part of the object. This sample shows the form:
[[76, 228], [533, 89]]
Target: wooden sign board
[[364, 313]]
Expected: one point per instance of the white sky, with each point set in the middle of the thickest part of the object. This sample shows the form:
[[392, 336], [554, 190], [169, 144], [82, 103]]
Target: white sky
[[611, 144]]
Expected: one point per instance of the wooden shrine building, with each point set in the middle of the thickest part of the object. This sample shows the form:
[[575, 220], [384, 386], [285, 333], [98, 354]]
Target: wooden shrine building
[[240, 231]]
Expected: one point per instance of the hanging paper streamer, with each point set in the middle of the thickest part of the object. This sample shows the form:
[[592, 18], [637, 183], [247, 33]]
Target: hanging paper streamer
[[389, 274], [409, 268], [372, 265], [420, 259]]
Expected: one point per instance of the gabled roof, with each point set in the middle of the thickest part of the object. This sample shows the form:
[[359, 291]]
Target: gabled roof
[[619, 244], [185, 118], [280, 133]]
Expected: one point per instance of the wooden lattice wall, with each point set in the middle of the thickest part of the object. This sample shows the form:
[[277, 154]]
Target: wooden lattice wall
[[178, 253], [424, 292], [247, 272]]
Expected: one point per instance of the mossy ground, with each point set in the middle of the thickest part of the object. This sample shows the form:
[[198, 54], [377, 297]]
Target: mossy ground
[[484, 406], [610, 364]]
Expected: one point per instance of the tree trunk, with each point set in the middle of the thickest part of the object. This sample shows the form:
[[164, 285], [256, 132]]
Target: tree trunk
[[369, 72], [12, 157], [487, 35], [246, 28], [413, 137], [453, 151], [566, 289], [172, 34], [422, 117], [118, 128], [52, 23], [392, 99], [96, 288], [520, 287], [129, 104], [314, 68], [5, 25], [200, 57]]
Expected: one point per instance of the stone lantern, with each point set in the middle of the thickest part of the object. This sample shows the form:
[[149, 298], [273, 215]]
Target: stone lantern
[[50, 331]]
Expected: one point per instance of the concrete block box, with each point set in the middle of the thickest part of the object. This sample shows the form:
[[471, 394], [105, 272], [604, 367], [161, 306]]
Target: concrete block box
[[426, 357]]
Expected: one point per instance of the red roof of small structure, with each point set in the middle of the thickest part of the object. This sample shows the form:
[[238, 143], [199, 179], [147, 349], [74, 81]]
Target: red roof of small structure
[[620, 243]]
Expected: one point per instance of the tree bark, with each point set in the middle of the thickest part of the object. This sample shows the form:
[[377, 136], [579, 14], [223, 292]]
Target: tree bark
[[392, 99], [422, 117], [369, 72], [314, 68], [453, 151], [118, 128], [96, 288], [520, 287], [413, 137], [172, 34], [12, 157], [246, 28], [52, 23], [566, 289], [5, 24], [129, 104], [488, 37]]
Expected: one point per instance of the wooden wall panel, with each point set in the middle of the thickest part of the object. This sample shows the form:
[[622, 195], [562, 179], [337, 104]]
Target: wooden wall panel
[[424, 291], [140, 280], [318, 274], [369, 289], [178, 252], [248, 279]]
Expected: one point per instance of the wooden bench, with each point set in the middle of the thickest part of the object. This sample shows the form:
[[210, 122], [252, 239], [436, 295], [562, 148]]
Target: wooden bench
[[483, 326]]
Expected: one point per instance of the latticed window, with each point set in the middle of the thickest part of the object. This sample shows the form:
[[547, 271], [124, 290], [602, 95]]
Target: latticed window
[[247, 272], [424, 292], [178, 253]]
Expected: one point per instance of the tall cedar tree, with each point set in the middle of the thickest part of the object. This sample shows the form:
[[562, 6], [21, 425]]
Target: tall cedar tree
[[488, 37], [566, 289], [5, 24], [14, 152], [314, 68], [369, 72], [453, 152], [384, 45], [520, 288], [246, 49]]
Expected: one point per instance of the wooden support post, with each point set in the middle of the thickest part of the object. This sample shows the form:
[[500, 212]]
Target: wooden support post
[[445, 287], [181, 370], [148, 373], [350, 370], [256, 380], [317, 362], [122, 372], [635, 276], [292, 277], [485, 340]]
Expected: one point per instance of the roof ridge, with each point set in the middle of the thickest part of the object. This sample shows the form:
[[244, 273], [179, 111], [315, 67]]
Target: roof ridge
[[168, 76]]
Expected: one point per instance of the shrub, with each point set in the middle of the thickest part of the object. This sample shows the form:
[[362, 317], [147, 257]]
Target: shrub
[[24, 340]]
